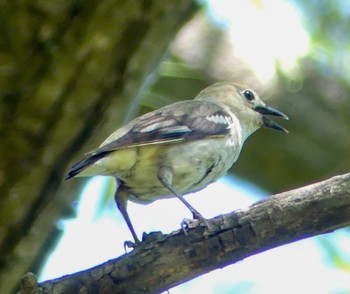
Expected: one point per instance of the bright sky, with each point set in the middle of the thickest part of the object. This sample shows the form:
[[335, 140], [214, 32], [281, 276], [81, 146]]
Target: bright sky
[[263, 32], [273, 29]]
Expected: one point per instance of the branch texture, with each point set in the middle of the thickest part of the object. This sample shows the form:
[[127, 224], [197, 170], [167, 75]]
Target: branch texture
[[164, 261]]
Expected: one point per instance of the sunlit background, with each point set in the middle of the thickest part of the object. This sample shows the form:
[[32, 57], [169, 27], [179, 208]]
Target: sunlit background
[[267, 37]]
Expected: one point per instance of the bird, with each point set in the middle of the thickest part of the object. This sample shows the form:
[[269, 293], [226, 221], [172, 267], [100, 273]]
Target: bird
[[179, 148]]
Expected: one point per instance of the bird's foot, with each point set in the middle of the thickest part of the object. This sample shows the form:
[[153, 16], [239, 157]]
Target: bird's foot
[[189, 224], [130, 245], [146, 238], [198, 220]]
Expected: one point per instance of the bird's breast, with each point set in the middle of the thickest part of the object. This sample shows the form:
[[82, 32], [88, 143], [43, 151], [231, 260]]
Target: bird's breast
[[194, 165]]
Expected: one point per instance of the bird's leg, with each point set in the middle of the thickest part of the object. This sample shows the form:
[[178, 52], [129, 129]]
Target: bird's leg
[[121, 197], [165, 176]]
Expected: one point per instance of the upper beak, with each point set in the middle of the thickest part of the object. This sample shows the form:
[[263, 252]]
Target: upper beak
[[269, 123]]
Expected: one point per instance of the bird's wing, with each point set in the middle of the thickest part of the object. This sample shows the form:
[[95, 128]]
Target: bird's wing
[[179, 122], [188, 121]]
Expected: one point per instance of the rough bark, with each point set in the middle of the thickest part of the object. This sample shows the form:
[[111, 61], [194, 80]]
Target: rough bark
[[70, 70], [164, 261]]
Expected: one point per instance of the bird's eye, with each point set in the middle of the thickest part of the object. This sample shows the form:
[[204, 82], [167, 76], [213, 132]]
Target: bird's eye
[[248, 95]]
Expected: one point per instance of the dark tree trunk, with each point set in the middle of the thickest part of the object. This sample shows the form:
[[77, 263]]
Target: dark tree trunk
[[71, 71]]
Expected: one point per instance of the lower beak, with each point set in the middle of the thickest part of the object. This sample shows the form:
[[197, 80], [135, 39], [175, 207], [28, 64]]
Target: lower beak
[[269, 123]]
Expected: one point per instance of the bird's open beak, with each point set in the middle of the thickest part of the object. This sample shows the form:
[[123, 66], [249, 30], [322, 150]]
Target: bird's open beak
[[269, 123]]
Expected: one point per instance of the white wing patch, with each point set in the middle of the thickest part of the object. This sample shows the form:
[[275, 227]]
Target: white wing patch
[[220, 119], [236, 133], [156, 125]]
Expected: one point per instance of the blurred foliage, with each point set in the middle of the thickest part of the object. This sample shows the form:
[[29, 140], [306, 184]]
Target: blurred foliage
[[328, 25]]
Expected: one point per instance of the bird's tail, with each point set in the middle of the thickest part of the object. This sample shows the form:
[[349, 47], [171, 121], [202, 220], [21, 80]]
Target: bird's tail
[[83, 164]]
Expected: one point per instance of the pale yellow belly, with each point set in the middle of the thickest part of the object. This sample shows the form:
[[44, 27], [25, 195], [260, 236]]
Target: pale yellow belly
[[194, 166]]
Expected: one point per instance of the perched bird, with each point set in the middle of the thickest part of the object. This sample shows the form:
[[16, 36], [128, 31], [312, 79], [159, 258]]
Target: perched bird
[[179, 148]]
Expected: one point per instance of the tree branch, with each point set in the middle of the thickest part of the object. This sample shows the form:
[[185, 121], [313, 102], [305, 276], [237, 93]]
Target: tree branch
[[164, 261]]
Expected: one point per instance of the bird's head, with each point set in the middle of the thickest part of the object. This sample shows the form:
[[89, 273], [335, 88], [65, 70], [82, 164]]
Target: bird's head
[[245, 104]]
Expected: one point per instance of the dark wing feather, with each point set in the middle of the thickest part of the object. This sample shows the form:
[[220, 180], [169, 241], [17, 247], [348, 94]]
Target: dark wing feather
[[78, 167], [179, 122], [182, 121]]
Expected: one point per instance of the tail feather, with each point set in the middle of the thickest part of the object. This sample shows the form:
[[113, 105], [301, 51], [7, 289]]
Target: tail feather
[[83, 164]]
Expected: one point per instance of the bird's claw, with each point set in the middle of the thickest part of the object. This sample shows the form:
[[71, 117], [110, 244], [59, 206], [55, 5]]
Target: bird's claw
[[130, 244], [189, 224], [198, 220]]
